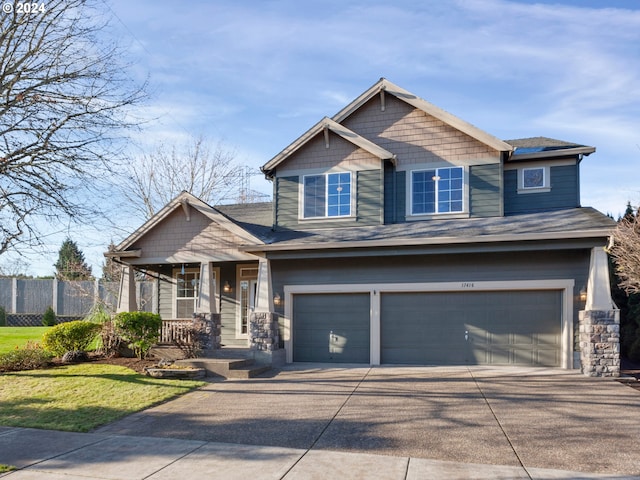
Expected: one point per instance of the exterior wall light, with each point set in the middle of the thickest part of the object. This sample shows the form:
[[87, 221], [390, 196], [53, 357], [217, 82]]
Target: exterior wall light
[[277, 300], [583, 294], [226, 288]]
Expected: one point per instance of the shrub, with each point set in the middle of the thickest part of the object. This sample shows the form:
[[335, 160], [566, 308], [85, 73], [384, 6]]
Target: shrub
[[3, 316], [49, 317], [98, 314], [110, 341], [69, 337], [140, 330], [30, 357]]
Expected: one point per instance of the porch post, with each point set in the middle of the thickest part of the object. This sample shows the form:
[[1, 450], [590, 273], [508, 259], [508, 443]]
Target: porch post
[[127, 296], [206, 314], [599, 322], [264, 336], [264, 295], [207, 292]]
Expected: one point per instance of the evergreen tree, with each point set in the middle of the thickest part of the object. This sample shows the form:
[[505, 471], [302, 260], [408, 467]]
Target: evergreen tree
[[111, 271], [71, 264]]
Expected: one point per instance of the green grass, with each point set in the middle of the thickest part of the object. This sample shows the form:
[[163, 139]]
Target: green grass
[[80, 397], [10, 337], [6, 468]]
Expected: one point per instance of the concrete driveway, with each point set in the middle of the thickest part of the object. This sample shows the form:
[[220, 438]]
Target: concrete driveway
[[526, 417]]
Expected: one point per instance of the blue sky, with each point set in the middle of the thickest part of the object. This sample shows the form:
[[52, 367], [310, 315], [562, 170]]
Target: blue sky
[[257, 74]]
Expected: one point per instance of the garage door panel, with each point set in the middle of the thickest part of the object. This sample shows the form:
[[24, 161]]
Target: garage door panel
[[331, 328], [501, 328]]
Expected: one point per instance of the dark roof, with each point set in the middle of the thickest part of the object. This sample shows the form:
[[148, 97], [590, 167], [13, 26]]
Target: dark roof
[[544, 147], [566, 223], [255, 218]]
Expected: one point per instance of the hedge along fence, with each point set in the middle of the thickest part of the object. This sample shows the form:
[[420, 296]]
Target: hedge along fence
[[25, 300]]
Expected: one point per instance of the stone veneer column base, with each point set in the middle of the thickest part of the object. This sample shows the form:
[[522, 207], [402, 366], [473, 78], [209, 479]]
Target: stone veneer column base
[[211, 336], [263, 331], [600, 343]]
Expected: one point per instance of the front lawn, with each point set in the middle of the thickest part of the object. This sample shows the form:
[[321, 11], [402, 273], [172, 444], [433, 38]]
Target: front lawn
[[10, 337], [81, 397]]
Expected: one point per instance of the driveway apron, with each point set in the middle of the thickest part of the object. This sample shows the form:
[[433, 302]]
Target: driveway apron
[[516, 417]]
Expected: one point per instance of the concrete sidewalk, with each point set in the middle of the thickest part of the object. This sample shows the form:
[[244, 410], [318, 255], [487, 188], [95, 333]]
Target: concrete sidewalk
[[52, 455], [312, 421]]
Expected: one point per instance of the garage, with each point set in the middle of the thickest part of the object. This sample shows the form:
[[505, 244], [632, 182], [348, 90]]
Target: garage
[[331, 327], [471, 328]]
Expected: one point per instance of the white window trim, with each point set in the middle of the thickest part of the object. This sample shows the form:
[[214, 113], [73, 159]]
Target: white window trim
[[546, 185], [174, 276], [353, 196], [465, 193], [566, 286]]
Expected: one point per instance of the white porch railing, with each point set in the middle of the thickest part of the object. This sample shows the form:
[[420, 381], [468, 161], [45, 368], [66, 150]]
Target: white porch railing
[[176, 331]]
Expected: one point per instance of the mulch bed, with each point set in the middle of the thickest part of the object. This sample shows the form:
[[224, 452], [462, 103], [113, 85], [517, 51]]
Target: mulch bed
[[132, 363]]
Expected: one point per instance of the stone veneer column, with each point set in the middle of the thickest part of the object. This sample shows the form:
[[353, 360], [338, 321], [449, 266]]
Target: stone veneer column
[[600, 343], [263, 331], [211, 332]]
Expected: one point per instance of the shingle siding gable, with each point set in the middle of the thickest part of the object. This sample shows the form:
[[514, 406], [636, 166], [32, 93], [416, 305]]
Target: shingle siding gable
[[414, 136]]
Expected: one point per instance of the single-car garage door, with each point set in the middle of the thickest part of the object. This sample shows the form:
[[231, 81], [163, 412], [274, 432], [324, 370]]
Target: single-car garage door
[[470, 328], [331, 327]]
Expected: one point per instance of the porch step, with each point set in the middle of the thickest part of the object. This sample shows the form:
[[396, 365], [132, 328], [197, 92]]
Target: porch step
[[226, 367]]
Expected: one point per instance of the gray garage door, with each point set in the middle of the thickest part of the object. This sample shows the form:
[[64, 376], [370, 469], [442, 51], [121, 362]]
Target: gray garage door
[[470, 328], [331, 328]]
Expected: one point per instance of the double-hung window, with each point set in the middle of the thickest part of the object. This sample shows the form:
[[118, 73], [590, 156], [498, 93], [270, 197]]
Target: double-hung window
[[437, 190], [327, 195]]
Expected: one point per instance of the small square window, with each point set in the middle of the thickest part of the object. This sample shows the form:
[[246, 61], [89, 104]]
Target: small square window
[[533, 178]]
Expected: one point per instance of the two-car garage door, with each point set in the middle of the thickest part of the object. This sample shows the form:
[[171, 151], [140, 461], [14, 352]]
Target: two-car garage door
[[514, 327]]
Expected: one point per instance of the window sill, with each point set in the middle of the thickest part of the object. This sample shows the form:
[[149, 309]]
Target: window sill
[[435, 216], [327, 219], [521, 191]]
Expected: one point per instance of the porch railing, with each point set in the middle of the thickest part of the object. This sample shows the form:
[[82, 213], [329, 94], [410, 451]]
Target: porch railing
[[176, 331]]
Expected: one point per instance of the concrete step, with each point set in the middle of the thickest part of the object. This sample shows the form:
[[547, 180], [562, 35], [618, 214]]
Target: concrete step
[[226, 367]]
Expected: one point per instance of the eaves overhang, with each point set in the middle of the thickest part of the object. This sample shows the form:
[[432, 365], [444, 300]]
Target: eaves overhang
[[564, 152], [431, 241]]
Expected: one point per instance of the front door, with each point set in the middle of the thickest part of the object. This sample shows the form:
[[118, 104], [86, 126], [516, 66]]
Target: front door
[[248, 284]]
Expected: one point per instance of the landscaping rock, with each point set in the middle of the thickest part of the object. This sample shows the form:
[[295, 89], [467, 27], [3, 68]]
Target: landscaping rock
[[76, 356]]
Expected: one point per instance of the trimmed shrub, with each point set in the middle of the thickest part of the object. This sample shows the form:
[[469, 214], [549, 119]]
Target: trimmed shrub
[[3, 316], [70, 337], [141, 330], [30, 357], [49, 317]]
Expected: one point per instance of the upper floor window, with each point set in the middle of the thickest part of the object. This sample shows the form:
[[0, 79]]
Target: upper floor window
[[438, 190], [533, 178], [327, 195]]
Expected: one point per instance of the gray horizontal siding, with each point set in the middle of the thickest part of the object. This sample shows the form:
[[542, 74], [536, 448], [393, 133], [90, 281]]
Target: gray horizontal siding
[[369, 203], [286, 195], [471, 267], [485, 193], [369, 197], [564, 192]]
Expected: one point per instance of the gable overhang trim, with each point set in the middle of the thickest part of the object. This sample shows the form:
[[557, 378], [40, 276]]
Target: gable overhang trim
[[340, 130], [428, 108], [563, 152], [184, 200], [601, 233], [384, 85]]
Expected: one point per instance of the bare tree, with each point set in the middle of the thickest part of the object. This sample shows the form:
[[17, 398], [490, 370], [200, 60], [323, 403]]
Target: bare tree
[[208, 172], [64, 103], [625, 251]]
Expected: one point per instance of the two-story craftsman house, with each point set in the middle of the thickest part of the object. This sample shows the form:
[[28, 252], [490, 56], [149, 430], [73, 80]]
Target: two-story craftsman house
[[398, 234]]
